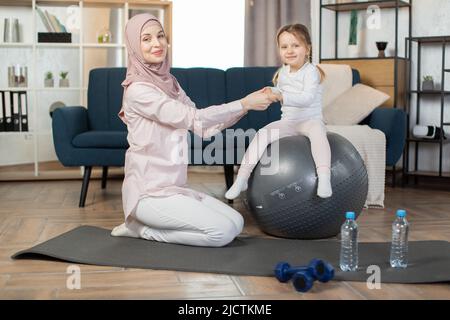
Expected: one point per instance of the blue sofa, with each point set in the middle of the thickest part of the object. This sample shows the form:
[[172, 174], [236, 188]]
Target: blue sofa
[[95, 136]]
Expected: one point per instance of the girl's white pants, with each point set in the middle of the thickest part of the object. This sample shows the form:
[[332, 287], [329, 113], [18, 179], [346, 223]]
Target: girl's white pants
[[314, 129]]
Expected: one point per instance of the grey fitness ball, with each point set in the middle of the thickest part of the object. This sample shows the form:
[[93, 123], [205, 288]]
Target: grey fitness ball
[[285, 204]]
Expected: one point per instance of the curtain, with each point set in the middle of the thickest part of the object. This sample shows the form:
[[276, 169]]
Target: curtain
[[263, 18]]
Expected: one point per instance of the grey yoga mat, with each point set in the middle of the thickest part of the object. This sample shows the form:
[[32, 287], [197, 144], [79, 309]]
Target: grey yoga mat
[[429, 261]]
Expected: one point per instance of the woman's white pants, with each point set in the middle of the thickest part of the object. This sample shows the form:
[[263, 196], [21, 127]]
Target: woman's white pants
[[185, 220]]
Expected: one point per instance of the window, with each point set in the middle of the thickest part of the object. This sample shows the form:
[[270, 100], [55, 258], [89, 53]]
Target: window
[[208, 33]]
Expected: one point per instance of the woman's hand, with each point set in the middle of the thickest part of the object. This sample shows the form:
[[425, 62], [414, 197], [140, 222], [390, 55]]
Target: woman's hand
[[259, 100]]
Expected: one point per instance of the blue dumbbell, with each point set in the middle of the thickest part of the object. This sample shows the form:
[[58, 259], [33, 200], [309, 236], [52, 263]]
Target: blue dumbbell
[[303, 281], [304, 277], [318, 269]]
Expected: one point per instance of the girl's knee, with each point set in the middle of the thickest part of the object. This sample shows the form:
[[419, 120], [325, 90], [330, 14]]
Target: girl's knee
[[317, 130], [273, 130]]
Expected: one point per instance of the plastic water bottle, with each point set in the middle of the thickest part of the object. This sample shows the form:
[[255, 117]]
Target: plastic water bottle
[[349, 243], [399, 246]]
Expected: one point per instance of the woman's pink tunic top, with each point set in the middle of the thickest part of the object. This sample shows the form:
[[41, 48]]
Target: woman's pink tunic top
[[156, 160]]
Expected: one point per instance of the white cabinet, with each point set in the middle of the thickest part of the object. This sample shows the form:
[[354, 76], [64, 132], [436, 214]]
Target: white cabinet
[[86, 20]]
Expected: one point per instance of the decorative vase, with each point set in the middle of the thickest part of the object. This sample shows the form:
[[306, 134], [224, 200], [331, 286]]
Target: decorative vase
[[428, 85], [64, 82], [48, 83], [11, 30], [353, 51], [17, 76], [381, 45]]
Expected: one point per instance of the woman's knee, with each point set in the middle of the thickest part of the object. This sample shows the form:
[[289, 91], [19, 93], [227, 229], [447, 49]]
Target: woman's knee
[[226, 211], [223, 234], [239, 223]]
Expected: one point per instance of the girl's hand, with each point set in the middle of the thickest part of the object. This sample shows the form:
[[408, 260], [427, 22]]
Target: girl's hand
[[259, 100], [274, 92], [279, 97]]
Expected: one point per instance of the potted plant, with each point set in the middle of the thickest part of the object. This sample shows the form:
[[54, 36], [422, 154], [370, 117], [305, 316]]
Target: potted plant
[[104, 36], [353, 35], [428, 83], [63, 81], [48, 81]]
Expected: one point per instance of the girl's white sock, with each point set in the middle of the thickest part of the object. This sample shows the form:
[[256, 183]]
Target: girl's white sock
[[238, 186], [324, 186]]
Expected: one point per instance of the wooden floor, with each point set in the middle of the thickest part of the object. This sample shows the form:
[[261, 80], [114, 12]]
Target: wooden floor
[[32, 212]]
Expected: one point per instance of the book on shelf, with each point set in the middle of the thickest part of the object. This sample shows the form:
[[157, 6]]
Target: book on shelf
[[2, 113], [53, 22], [7, 118], [50, 21], [23, 111], [13, 111], [44, 19], [61, 26]]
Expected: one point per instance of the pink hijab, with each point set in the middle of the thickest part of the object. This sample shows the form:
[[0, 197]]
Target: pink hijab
[[138, 70]]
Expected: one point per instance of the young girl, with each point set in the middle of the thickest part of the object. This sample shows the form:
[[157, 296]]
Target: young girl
[[299, 89], [157, 203]]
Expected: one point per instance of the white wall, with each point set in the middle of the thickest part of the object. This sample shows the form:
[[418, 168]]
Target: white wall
[[430, 18], [208, 33]]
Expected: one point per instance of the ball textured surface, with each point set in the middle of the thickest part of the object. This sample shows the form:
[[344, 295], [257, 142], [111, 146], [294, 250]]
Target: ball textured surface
[[285, 204]]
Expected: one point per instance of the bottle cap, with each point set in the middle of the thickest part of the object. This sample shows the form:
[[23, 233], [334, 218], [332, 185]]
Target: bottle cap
[[401, 213], [350, 215]]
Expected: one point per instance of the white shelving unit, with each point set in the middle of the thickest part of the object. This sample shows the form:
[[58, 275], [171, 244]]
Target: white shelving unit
[[83, 18]]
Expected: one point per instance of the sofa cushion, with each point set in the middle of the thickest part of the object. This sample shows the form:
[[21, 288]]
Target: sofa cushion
[[338, 79], [101, 139], [392, 122], [356, 77], [204, 86], [105, 99], [354, 105]]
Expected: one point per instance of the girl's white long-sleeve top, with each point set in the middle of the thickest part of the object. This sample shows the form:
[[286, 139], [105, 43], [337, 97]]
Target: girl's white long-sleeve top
[[302, 93]]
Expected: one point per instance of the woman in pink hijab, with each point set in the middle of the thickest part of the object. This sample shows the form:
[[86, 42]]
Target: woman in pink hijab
[[157, 203]]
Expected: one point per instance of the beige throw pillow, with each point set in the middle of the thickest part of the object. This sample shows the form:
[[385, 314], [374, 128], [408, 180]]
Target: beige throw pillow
[[338, 79], [354, 105]]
